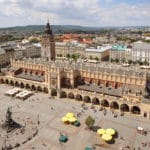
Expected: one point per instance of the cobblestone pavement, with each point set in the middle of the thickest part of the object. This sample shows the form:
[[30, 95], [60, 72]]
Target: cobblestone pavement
[[51, 111]]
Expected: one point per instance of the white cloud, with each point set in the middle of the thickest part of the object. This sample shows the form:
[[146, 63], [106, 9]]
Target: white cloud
[[124, 14], [81, 12]]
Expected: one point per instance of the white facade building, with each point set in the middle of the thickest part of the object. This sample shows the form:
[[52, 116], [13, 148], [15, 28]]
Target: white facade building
[[101, 53], [141, 51]]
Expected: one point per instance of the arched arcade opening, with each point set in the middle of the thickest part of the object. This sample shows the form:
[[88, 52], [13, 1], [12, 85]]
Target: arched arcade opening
[[27, 86], [124, 108], [33, 88], [78, 97], [53, 92], [63, 94], [71, 95], [104, 103], [87, 99], [95, 101], [114, 105], [7, 81], [45, 90], [12, 83], [2, 81], [16, 84], [22, 85], [135, 110], [39, 89]]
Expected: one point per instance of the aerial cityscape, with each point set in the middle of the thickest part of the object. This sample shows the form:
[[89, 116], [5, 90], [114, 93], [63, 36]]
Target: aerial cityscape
[[74, 75]]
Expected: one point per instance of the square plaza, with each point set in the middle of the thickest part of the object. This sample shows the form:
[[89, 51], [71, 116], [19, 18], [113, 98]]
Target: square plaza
[[50, 112]]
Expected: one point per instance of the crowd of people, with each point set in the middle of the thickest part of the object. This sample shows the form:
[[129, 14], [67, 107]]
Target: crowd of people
[[115, 115]]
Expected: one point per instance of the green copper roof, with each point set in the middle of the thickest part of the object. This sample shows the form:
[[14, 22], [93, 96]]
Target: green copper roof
[[119, 47]]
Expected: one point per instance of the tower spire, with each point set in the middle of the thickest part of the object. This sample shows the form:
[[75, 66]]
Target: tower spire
[[48, 29], [47, 20]]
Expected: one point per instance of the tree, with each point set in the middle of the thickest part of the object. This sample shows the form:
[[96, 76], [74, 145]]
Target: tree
[[112, 60], [146, 62], [7, 37], [140, 62], [34, 40], [91, 57], [130, 61], [75, 57], [96, 58], [123, 60], [89, 122], [134, 62], [68, 56], [116, 60]]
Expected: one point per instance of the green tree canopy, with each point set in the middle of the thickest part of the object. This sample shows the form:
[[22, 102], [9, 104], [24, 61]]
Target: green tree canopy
[[89, 122], [96, 58], [116, 60], [68, 56], [129, 61], [75, 57], [34, 40]]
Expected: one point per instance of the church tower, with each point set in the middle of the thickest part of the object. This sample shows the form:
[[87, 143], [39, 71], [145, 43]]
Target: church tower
[[48, 44]]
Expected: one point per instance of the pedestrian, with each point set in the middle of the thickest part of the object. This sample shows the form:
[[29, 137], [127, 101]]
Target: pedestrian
[[121, 137], [145, 133], [59, 142], [139, 148], [38, 122]]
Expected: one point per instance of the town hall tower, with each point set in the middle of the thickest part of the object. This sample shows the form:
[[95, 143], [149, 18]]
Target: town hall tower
[[48, 44]]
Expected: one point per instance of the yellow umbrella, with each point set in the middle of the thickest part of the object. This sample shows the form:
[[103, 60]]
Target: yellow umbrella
[[101, 131], [73, 119], [69, 115], [110, 131], [106, 137], [64, 119]]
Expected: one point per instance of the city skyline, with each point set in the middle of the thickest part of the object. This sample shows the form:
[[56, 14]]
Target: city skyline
[[79, 12]]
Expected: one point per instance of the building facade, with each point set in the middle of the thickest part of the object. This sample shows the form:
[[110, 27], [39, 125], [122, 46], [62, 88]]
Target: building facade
[[64, 48], [100, 53], [5, 56], [121, 52], [141, 52], [109, 87], [48, 44], [18, 52]]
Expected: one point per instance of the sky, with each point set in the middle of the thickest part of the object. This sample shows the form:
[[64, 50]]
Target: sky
[[75, 12]]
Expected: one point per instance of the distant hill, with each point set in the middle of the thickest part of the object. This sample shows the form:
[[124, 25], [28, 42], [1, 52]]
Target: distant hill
[[56, 28], [60, 29]]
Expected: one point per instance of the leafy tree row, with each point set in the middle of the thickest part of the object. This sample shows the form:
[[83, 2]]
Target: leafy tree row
[[130, 61], [6, 38], [73, 56]]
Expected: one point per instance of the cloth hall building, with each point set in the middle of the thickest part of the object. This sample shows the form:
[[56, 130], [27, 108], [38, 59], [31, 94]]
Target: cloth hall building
[[101, 84]]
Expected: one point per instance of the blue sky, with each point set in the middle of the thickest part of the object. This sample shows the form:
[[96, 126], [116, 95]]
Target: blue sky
[[75, 12]]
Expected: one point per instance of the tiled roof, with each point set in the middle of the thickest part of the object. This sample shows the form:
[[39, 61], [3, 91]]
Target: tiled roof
[[119, 47], [102, 89]]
